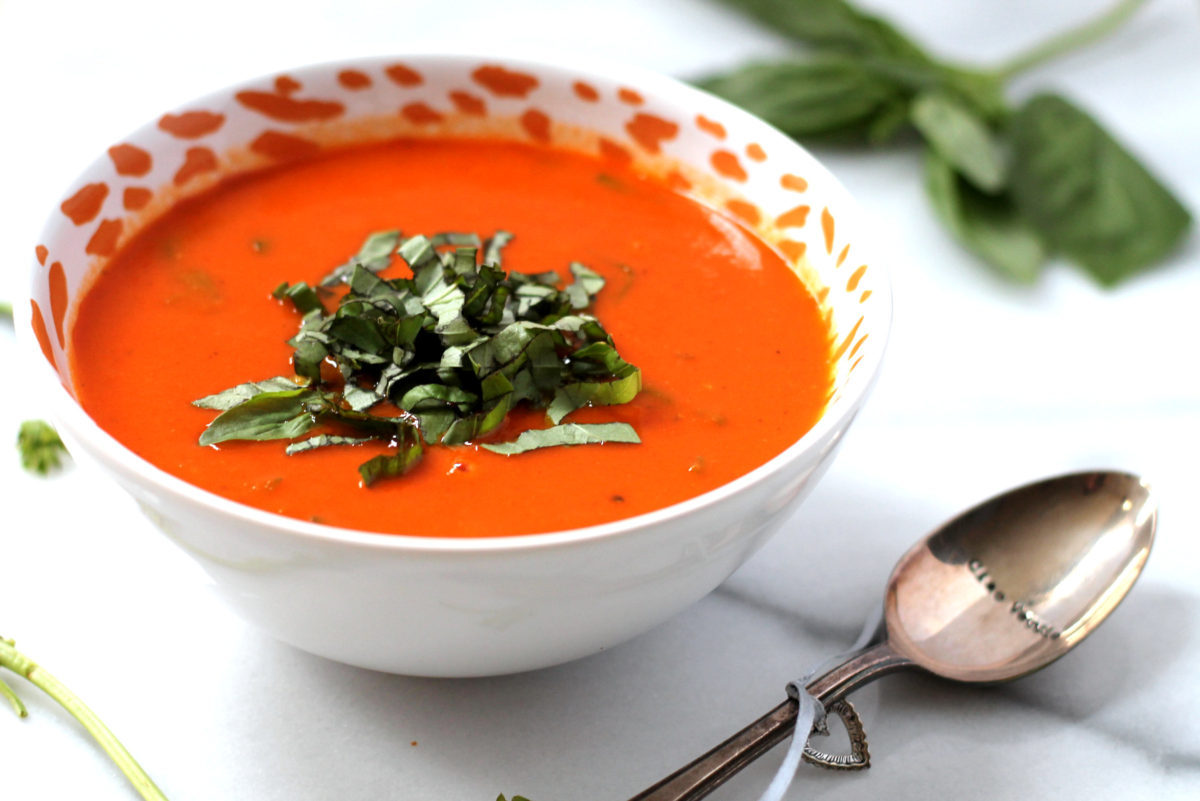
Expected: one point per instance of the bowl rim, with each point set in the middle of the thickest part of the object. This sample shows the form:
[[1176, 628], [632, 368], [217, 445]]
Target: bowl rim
[[837, 413]]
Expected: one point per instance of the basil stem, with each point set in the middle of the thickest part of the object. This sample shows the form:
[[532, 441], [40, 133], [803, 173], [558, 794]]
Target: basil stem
[[1092, 31], [25, 667]]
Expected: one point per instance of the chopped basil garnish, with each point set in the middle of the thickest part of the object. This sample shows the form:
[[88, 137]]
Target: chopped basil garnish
[[455, 348], [322, 441], [566, 434], [374, 255], [233, 396]]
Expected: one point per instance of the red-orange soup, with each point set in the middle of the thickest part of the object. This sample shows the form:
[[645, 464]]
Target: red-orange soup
[[734, 350]]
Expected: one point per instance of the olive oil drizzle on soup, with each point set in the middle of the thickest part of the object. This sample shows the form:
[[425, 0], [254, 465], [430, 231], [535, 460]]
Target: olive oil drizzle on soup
[[734, 351]]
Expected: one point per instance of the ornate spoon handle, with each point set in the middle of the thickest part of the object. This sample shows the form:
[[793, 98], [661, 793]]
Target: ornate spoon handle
[[704, 774]]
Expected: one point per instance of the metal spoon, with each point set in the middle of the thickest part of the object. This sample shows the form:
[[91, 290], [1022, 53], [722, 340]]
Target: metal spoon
[[1002, 590]]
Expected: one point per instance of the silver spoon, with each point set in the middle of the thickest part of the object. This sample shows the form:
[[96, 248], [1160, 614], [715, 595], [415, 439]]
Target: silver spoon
[[1002, 590]]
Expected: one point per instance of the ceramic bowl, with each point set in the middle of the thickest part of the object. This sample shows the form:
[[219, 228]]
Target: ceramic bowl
[[446, 607]]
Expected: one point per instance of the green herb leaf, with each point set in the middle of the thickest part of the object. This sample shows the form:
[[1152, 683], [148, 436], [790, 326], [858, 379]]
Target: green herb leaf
[[837, 27], [408, 453], [40, 446], [374, 255], [268, 415], [989, 225], [960, 137], [358, 398], [458, 240], [1087, 195], [827, 96], [833, 24], [565, 434], [223, 401], [6, 310], [310, 353], [888, 122], [585, 287], [574, 396], [359, 332], [324, 441], [302, 296], [494, 247]]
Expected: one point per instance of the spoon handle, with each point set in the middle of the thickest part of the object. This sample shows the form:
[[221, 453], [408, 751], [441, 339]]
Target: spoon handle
[[704, 774]]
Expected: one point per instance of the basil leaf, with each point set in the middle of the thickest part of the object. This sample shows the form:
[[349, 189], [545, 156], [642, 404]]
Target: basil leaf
[[544, 364], [827, 96], [566, 434], [548, 278], [989, 225], [574, 396], [888, 122], [434, 423], [269, 415], [374, 255], [459, 240], [494, 247], [379, 426], [466, 429], [833, 24], [464, 260], [301, 295], [324, 441], [307, 358], [419, 252], [408, 453], [435, 397], [589, 280], [960, 137], [1087, 195], [231, 397], [587, 285], [359, 332], [981, 90], [358, 398]]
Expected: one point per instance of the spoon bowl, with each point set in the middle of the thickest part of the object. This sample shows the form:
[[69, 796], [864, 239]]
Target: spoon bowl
[[1011, 585], [999, 592]]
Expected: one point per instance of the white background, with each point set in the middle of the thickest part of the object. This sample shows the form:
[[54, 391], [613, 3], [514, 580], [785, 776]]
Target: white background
[[986, 385]]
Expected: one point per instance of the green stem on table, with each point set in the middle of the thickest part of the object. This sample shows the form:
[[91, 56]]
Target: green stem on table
[[17, 706], [1072, 39], [25, 667]]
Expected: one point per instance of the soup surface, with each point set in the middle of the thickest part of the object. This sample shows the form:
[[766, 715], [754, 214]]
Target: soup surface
[[734, 351]]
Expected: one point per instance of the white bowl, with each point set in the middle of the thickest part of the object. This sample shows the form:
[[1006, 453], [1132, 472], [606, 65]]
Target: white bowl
[[446, 607]]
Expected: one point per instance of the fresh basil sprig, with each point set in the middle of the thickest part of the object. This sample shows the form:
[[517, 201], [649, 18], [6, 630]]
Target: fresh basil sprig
[[1015, 185], [454, 348]]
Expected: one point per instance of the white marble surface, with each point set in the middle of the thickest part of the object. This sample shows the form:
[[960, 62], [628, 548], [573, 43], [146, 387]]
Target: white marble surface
[[1035, 380]]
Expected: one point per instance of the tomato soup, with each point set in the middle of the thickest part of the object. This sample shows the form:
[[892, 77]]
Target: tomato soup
[[733, 349]]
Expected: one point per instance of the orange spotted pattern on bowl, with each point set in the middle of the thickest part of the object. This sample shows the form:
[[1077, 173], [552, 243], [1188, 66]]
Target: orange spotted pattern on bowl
[[699, 146]]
